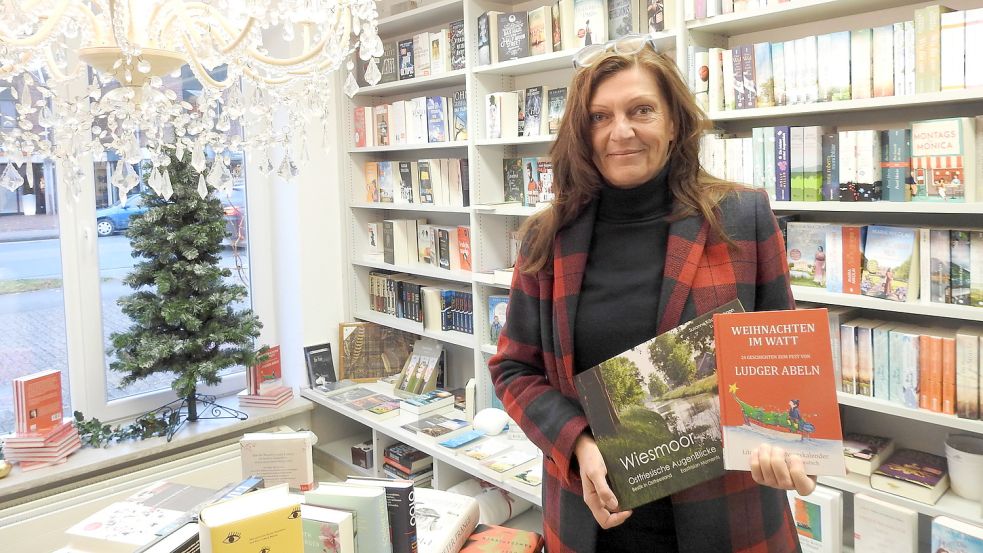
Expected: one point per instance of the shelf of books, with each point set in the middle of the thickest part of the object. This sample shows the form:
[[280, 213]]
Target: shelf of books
[[392, 427], [945, 98], [410, 147], [420, 17], [784, 14], [947, 311], [411, 207], [417, 269], [416, 84], [924, 208], [509, 209], [870, 170], [899, 410], [950, 504], [491, 279], [515, 141], [449, 336]]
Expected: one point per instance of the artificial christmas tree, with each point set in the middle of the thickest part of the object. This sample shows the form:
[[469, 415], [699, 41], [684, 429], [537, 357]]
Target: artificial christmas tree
[[184, 315]]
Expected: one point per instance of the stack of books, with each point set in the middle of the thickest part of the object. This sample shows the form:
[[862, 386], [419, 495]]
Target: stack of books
[[34, 450], [42, 438], [405, 462], [265, 381]]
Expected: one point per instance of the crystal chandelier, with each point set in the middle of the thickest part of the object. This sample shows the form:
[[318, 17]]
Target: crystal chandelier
[[65, 112]]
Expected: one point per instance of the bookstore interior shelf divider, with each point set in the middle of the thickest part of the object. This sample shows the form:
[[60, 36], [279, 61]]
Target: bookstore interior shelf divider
[[492, 221]]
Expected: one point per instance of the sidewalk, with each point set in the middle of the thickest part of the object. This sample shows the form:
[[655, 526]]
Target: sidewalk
[[20, 228]]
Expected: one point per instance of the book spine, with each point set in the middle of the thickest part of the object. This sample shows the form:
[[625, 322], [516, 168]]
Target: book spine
[[910, 366], [747, 67], [831, 167], [861, 57], [848, 358], [952, 71], [783, 185], [865, 360], [895, 364], [968, 374], [948, 375], [737, 70], [974, 45], [883, 62], [797, 163], [882, 363], [898, 48]]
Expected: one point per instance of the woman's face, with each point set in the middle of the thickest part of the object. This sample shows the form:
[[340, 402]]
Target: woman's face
[[630, 128]]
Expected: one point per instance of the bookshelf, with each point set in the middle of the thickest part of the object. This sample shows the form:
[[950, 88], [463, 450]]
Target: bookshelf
[[450, 467], [491, 220]]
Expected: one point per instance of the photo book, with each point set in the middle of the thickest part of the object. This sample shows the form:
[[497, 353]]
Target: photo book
[[655, 413], [320, 365], [370, 351]]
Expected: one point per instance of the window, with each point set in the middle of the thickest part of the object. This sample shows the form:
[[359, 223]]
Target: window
[[50, 267], [32, 305]]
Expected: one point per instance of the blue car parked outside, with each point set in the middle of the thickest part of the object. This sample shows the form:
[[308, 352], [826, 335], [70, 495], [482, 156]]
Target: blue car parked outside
[[116, 218]]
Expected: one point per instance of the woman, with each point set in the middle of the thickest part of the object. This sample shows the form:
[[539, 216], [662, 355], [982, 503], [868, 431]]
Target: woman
[[819, 267], [638, 240]]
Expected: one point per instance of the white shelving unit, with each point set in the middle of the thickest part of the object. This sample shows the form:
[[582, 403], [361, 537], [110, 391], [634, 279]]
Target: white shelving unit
[[911, 428], [491, 220], [950, 504], [385, 431], [941, 310]]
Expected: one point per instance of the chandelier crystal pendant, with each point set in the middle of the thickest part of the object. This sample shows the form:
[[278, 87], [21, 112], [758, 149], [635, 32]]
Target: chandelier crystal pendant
[[47, 46]]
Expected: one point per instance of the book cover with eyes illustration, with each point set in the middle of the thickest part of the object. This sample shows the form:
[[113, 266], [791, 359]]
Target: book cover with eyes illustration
[[263, 520]]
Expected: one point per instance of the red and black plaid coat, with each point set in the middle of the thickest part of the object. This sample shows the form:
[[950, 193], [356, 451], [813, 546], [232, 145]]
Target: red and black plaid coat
[[534, 368]]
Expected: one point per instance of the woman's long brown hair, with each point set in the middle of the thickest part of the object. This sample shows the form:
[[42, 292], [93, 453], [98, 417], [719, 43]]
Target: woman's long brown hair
[[576, 181]]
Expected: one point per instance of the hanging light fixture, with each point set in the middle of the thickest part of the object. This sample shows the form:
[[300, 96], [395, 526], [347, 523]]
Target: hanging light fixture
[[46, 47]]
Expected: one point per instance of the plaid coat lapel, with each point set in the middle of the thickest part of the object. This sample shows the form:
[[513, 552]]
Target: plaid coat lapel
[[570, 250], [684, 249]]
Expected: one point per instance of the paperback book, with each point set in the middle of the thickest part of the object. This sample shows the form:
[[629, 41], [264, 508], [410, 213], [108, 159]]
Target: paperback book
[[883, 526], [777, 383], [654, 412], [818, 519], [435, 426], [913, 474], [956, 536], [864, 453]]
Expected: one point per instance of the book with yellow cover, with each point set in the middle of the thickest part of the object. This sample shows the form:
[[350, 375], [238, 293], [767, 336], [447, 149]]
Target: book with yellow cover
[[777, 386], [265, 520]]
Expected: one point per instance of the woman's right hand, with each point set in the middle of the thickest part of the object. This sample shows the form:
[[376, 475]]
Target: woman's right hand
[[597, 494]]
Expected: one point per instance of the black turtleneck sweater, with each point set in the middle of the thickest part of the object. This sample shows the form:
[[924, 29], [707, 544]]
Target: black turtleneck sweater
[[619, 297], [617, 309]]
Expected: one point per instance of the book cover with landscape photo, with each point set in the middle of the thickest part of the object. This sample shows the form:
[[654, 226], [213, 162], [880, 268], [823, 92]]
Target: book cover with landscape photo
[[654, 412], [777, 386]]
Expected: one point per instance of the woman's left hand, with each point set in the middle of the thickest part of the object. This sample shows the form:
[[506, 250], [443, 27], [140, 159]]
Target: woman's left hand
[[770, 467]]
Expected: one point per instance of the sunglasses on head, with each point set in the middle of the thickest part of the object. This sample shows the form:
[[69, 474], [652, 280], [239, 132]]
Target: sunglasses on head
[[625, 46]]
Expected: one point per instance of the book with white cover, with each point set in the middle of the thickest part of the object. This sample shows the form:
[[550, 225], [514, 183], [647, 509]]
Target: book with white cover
[[956, 536], [881, 526], [444, 520], [280, 458], [818, 519]]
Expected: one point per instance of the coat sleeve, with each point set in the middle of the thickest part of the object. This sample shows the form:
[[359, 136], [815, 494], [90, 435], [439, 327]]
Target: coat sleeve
[[773, 286], [550, 419]]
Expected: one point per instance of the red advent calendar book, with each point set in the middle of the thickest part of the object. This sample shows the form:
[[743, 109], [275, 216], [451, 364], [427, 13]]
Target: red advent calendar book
[[37, 402], [267, 375], [776, 382]]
